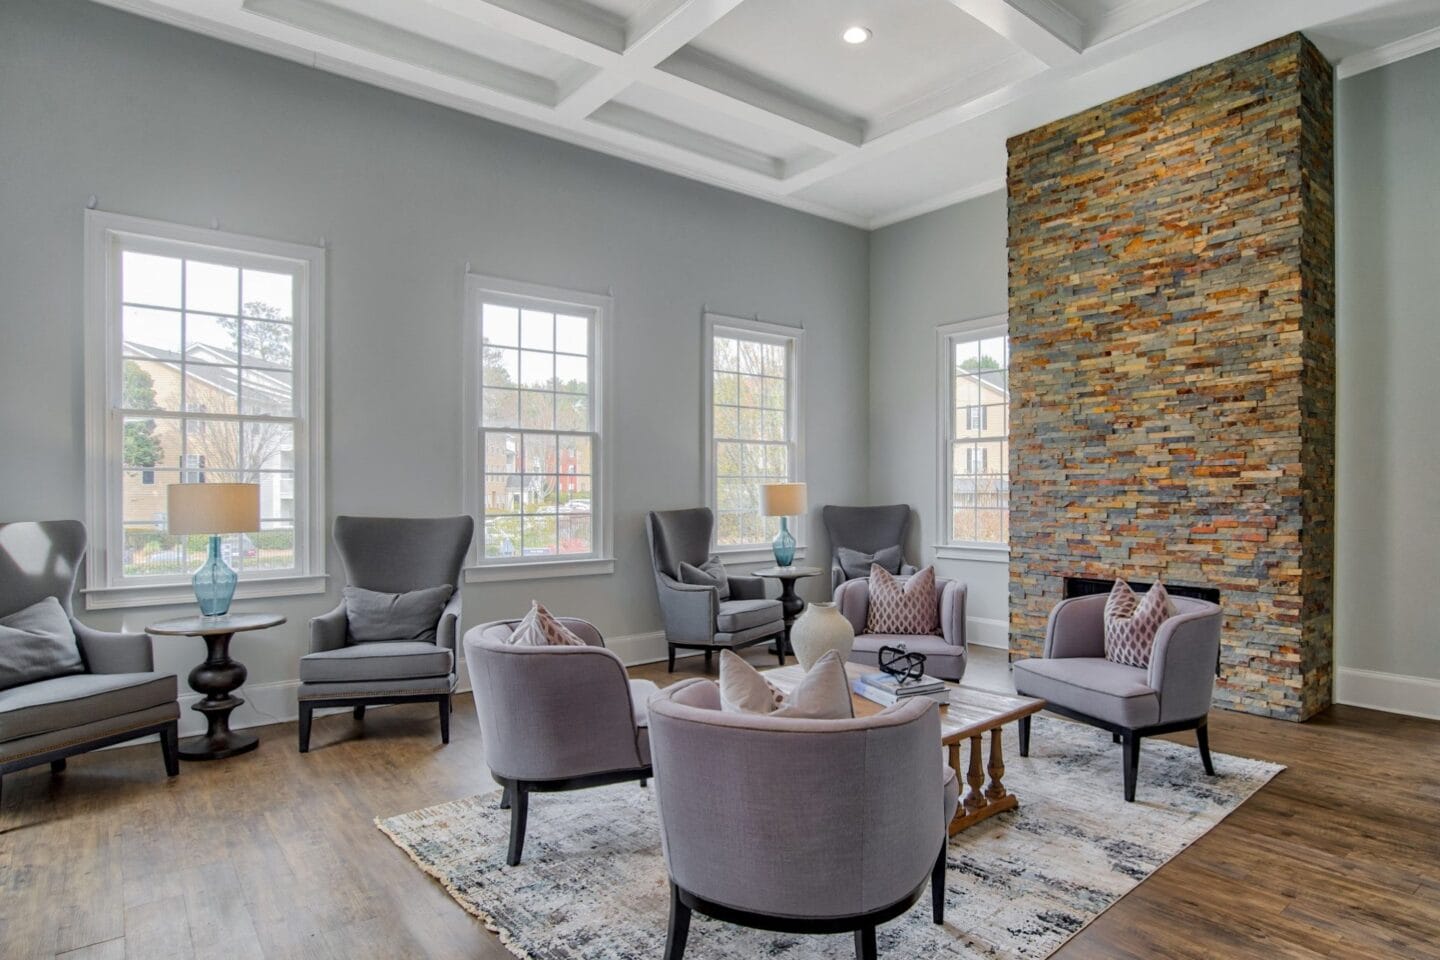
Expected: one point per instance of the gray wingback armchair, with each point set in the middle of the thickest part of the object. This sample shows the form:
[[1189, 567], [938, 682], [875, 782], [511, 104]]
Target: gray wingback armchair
[[119, 696], [866, 529], [844, 825], [695, 617], [945, 655], [387, 555], [555, 718], [1131, 702]]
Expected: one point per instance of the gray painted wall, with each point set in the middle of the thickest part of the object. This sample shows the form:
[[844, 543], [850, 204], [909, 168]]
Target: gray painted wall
[[1388, 340], [166, 124], [933, 270]]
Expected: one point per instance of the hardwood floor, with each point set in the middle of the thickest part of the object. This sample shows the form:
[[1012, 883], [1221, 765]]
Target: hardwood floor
[[275, 854]]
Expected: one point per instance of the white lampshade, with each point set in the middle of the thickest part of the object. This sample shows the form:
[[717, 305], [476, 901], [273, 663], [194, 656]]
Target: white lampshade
[[213, 508], [782, 499]]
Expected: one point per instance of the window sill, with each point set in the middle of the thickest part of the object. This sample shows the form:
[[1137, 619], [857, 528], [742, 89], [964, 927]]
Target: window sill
[[181, 594], [539, 570], [974, 552], [747, 555]]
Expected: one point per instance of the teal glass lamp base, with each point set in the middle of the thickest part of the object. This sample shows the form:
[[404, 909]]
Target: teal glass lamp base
[[214, 582], [784, 546]]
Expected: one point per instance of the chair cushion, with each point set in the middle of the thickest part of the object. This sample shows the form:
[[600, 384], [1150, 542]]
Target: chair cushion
[[37, 643], [383, 660], [907, 606], [737, 615], [711, 573], [640, 693], [1093, 686], [855, 564], [63, 702], [942, 658], [539, 629], [413, 615]]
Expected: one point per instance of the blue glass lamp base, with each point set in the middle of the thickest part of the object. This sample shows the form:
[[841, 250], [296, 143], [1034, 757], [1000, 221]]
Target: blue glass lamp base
[[214, 582], [784, 546]]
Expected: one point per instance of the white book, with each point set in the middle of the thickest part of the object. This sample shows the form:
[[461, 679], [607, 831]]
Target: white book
[[886, 699]]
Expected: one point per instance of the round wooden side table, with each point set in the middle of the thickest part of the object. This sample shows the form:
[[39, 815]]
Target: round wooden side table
[[790, 601], [218, 678]]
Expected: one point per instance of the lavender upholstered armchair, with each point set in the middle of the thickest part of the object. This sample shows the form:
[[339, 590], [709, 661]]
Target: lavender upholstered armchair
[[944, 655], [1131, 702], [843, 825], [117, 695], [555, 718]]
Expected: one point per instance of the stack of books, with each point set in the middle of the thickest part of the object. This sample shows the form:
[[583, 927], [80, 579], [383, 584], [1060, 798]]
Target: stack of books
[[885, 689]]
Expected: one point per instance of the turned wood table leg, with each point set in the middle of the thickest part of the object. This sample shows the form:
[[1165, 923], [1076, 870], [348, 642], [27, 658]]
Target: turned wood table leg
[[975, 795], [995, 789]]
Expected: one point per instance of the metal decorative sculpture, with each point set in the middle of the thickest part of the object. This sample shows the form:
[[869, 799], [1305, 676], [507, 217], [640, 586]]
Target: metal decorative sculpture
[[904, 666]]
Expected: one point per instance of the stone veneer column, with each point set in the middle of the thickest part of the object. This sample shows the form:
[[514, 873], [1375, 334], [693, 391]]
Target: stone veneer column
[[1173, 360]]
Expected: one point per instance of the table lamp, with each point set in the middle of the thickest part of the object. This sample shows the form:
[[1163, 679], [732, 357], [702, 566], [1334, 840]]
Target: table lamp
[[213, 508], [783, 500]]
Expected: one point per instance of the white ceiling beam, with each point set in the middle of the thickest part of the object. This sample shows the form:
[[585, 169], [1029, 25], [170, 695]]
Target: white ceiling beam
[[580, 38], [1051, 34]]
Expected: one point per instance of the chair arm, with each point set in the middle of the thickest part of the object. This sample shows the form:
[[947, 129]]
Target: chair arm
[[449, 625], [327, 631], [689, 610], [746, 588], [1076, 628], [114, 652], [1182, 664], [952, 613]]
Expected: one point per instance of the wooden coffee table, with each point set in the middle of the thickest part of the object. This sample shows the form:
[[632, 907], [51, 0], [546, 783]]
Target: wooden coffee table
[[971, 714]]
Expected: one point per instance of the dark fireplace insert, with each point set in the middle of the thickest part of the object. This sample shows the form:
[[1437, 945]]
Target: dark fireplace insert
[[1089, 586]]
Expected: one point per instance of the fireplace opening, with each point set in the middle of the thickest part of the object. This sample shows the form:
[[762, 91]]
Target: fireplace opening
[[1089, 586]]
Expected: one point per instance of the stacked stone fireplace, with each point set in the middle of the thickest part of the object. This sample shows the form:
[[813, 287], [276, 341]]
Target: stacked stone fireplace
[[1173, 361]]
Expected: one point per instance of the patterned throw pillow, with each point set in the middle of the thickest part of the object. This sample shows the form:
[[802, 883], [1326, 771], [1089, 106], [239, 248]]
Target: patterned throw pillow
[[711, 573], [902, 607], [1132, 622], [540, 629], [823, 694]]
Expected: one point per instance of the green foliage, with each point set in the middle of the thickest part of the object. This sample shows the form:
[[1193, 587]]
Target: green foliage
[[142, 448], [270, 342], [972, 364]]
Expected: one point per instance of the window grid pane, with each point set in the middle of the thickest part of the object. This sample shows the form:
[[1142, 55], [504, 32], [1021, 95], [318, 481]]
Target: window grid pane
[[751, 426], [979, 485]]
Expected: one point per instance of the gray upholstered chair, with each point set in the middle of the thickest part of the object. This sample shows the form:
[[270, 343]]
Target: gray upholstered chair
[[839, 825], [866, 529], [695, 616], [1172, 694], [944, 655], [555, 718], [119, 696], [387, 555]]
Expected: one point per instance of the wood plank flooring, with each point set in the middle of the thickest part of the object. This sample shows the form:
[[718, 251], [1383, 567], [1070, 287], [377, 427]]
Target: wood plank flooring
[[275, 855]]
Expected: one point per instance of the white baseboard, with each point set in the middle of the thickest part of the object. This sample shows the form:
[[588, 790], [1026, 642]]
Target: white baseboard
[[984, 632], [1391, 692]]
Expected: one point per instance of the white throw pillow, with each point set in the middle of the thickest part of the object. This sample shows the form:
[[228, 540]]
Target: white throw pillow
[[824, 693], [539, 628]]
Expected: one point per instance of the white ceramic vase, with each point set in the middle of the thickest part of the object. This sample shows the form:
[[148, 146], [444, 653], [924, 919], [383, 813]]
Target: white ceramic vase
[[821, 628]]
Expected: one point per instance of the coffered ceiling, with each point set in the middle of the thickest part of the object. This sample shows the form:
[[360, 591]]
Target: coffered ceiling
[[765, 98]]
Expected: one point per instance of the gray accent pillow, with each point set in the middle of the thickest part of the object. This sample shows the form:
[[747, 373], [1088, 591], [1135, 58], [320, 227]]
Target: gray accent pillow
[[855, 564], [709, 574], [37, 643], [395, 616]]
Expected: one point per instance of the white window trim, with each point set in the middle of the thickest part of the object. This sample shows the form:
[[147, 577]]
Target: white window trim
[[102, 338], [776, 332], [973, 550], [479, 569]]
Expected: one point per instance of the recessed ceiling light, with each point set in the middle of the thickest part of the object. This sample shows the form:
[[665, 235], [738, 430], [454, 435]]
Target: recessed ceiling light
[[855, 35]]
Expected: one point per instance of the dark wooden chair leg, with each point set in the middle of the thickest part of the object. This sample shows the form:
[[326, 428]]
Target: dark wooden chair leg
[[360, 712], [505, 799], [1202, 737], [170, 749], [519, 810], [678, 930], [672, 658], [445, 719], [708, 654], [57, 766], [1114, 738], [937, 884], [780, 648], [305, 716], [865, 948], [1131, 740], [1024, 736], [644, 783]]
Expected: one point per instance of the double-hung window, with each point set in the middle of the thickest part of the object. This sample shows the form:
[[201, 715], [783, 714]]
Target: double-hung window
[[975, 445], [535, 434], [752, 421], [204, 365]]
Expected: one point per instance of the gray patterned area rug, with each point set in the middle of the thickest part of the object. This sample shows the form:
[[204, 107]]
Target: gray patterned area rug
[[593, 883]]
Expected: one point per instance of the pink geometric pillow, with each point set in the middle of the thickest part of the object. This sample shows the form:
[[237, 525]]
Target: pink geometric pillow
[[540, 629], [1132, 622], [904, 609]]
